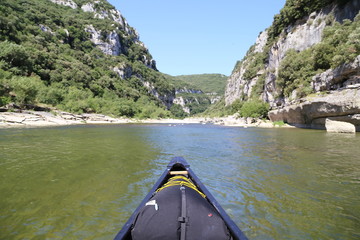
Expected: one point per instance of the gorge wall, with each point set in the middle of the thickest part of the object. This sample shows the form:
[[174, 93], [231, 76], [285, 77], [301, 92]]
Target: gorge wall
[[116, 42], [251, 80]]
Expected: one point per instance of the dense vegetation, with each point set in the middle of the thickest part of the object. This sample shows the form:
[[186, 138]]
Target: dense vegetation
[[295, 10], [202, 88], [46, 57], [208, 83], [340, 44], [198, 91], [253, 108]]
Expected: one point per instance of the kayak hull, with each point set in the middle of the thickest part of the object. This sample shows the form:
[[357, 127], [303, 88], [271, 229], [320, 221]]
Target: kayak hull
[[179, 164]]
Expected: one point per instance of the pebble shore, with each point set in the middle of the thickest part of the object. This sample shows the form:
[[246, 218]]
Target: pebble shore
[[26, 119]]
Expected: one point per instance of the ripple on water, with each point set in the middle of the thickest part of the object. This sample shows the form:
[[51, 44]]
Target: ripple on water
[[83, 182]]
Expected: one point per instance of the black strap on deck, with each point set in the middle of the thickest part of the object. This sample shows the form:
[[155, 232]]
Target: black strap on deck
[[183, 218]]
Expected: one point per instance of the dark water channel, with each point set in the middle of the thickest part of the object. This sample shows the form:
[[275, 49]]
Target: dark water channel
[[83, 182]]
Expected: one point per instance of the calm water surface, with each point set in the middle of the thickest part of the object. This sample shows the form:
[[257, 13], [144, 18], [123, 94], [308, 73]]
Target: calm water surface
[[83, 182]]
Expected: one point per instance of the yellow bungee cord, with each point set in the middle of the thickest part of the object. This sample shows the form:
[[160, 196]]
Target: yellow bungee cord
[[181, 181]]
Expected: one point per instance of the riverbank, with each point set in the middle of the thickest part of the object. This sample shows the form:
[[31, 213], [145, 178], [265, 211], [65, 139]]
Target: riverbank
[[59, 118]]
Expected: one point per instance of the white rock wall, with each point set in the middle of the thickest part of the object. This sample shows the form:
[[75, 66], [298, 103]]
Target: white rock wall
[[68, 3], [302, 35]]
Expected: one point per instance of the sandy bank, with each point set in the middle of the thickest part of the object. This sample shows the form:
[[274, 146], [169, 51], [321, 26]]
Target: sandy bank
[[59, 118], [53, 118]]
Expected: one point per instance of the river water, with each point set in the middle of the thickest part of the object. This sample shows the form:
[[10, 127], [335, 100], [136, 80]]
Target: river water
[[83, 182]]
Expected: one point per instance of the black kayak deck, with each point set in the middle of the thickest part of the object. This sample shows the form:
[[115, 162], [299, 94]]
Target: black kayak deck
[[180, 164]]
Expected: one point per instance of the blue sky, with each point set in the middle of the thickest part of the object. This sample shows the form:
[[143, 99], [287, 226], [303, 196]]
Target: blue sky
[[198, 36]]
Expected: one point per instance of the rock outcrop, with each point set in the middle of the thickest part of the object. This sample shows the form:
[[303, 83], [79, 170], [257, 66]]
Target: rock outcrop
[[54, 118], [341, 104], [182, 102], [166, 98], [339, 127], [68, 3], [119, 40], [109, 42], [300, 36], [342, 83], [110, 46], [188, 90], [123, 70], [344, 76], [312, 112]]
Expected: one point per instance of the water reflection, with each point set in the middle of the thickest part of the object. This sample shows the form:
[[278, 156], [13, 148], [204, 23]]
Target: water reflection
[[84, 181]]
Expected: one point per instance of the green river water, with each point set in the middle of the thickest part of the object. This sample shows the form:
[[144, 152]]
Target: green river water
[[83, 182]]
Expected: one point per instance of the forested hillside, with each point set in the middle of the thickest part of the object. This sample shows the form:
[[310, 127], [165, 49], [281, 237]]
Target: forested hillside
[[78, 56], [197, 92], [208, 83]]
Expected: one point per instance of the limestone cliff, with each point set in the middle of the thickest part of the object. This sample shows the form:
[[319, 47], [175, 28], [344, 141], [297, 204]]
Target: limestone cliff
[[251, 79], [339, 102], [119, 38], [110, 42]]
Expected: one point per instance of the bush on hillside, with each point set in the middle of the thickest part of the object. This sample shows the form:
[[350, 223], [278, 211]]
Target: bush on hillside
[[236, 106], [340, 45], [296, 70], [23, 90], [177, 111], [255, 109]]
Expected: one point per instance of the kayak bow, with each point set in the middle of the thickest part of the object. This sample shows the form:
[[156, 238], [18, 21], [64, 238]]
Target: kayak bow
[[179, 166]]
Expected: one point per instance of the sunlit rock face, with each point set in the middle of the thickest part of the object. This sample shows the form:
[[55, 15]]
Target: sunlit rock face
[[302, 35], [68, 3]]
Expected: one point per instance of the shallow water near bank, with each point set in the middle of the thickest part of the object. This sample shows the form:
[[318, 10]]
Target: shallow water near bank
[[83, 182]]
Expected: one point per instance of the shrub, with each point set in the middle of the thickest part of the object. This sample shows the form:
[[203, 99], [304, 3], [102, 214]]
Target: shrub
[[24, 90], [177, 111], [4, 100], [259, 86], [296, 70], [15, 58], [52, 95], [279, 123], [77, 100], [236, 106], [255, 65], [255, 109]]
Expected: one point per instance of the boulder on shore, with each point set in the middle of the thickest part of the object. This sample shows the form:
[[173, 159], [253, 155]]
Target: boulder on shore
[[341, 105], [339, 127]]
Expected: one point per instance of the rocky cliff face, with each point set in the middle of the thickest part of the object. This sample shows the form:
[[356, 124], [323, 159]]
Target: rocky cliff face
[[117, 41], [313, 112], [340, 101], [110, 45], [68, 3], [304, 34], [188, 90], [191, 99], [109, 42], [344, 76]]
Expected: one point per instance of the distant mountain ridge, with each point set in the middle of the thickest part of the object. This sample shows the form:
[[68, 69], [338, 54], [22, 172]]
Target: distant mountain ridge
[[195, 93], [208, 83]]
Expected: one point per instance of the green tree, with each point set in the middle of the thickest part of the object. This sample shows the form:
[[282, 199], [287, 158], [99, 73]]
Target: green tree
[[15, 58], [255, 109], [24, 90], [296, 70], [177, 111]]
